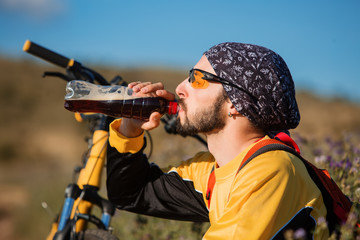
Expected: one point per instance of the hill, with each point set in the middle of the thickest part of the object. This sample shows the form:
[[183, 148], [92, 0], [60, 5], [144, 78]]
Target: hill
[[40, 142]]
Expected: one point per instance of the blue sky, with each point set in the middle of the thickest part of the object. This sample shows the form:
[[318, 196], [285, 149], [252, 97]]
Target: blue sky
[[319, 40]]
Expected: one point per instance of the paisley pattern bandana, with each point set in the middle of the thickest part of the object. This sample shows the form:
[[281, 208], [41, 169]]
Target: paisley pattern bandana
[[270, 102]]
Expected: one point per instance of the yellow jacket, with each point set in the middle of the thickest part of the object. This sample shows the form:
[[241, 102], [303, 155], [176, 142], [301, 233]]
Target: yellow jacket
[[271, 193]]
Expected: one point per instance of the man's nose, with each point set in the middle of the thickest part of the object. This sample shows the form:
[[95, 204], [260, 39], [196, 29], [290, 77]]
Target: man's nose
[[181, 89]]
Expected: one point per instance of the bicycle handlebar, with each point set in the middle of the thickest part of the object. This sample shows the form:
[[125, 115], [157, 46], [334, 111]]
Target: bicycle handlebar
[[47, 55], [74, 68]]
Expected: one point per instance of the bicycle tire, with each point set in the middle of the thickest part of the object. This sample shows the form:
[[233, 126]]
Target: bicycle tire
[[96, 234]]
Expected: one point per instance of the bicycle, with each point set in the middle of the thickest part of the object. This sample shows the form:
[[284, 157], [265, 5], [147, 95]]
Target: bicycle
[[82, 194]]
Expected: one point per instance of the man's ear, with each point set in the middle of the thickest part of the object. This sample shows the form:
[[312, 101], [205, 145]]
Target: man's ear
[[232, 110]]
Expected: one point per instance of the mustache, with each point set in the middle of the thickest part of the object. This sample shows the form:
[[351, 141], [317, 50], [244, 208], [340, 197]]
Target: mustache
[[182, 104]]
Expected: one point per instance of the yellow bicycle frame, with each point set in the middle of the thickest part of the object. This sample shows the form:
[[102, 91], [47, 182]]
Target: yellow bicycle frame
[[90, 175], [82, 194]]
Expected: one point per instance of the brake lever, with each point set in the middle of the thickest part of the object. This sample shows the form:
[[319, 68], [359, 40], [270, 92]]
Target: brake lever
[[116, 80], [170, 123], [56, 74]]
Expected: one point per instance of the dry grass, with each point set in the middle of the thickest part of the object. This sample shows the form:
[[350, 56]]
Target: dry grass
[[40, 141]]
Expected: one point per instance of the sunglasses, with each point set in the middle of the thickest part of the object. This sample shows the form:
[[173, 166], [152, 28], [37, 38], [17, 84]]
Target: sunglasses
[[199, 79]]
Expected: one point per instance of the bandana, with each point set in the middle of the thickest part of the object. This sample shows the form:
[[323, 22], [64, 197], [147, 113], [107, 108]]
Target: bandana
[[263, 74]]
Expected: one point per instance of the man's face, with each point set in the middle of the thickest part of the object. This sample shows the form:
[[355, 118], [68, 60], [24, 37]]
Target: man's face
[[202, 110], [205, 120]]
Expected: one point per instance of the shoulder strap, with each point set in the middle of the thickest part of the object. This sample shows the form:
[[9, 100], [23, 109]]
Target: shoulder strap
[[336, 202], [281, 141], [262, 147], [255, 151], [210, 186]]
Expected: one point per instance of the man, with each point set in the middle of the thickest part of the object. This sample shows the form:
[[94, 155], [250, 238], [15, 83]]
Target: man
[[237, 95]]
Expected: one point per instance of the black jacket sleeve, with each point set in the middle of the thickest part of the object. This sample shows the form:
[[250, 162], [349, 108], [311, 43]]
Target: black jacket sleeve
[[135, 185]]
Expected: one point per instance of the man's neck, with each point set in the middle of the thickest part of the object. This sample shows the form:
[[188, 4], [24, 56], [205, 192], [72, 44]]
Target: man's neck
[[229, 142]]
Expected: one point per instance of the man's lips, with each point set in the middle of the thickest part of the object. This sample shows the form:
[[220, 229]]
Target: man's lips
[[182, 106]]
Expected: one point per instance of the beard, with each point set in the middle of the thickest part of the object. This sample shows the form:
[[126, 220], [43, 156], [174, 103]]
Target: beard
[[205, 120]]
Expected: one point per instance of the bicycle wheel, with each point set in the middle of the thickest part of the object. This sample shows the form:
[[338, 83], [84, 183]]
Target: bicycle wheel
[[96, 234]]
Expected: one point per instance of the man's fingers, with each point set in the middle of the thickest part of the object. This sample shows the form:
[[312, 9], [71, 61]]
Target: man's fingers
[[165, 94], [132, 84], [137, 86], [154, 121], [145, 87], [151, 90], [152, 87]]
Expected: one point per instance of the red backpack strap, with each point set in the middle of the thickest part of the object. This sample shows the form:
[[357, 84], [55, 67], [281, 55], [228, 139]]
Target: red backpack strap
[[337, 203], [210, 187], [285, 138], [252, 153], [282, 141], [334, 199], [255, 150]]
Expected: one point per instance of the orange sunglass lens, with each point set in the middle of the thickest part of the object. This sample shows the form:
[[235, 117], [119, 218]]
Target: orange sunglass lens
[[197, 80]]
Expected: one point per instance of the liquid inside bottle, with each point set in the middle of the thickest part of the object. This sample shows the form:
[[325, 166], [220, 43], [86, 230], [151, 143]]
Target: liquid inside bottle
[[115, 101]]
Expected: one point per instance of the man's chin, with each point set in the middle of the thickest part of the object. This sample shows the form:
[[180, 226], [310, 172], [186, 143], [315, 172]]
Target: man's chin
[[183, 128]]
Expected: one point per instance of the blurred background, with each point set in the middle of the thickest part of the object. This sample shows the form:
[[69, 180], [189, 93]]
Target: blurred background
[[41, 143]]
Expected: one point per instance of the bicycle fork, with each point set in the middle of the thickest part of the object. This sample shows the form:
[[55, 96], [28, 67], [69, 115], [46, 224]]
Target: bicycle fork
[[80, 197]]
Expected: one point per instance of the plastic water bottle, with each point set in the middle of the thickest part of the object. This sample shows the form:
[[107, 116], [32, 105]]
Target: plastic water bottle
[[116, 101]]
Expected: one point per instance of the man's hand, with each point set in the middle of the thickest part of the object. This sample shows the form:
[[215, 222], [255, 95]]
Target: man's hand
[[132, 127]]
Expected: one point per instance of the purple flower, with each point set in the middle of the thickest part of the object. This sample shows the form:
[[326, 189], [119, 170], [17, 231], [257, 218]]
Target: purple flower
[[317, 152], [321, 159], [356, 150], [357, 161], [328, 140], [339, 151], [348, 164], [321, 220], [300, 234], [353, 170], [338, 164], [299, 139], [335, 164]]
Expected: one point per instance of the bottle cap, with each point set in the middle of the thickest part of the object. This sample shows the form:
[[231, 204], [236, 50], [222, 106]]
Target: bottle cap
[[173, 108]]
